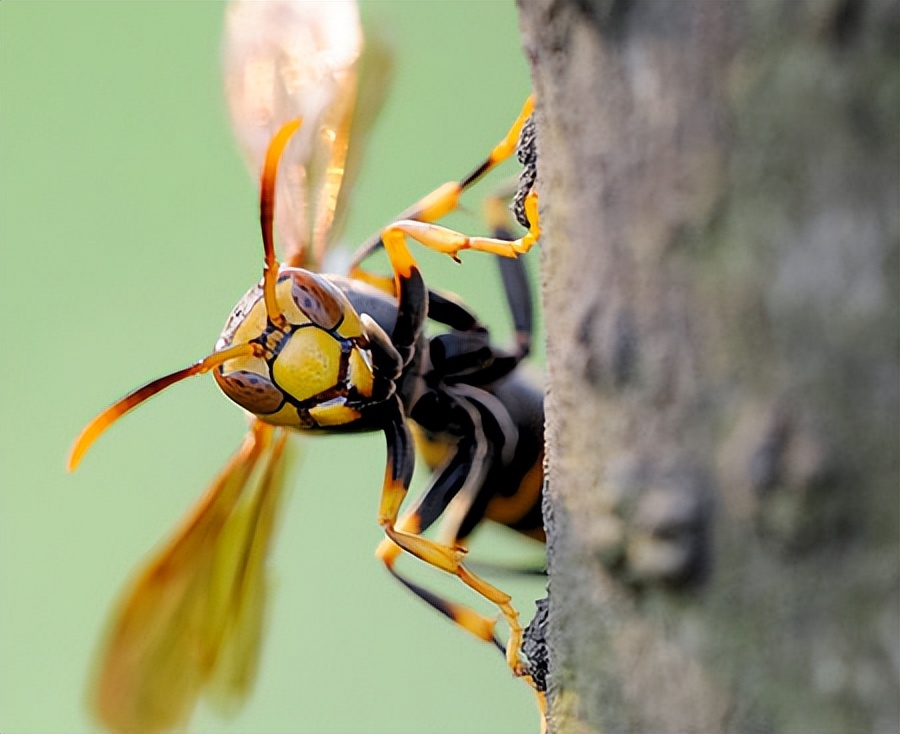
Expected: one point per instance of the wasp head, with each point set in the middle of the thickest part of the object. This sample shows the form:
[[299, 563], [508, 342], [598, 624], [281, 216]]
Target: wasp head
[[312, 367]]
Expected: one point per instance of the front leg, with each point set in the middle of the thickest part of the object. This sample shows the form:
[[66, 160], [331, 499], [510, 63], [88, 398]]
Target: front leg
[[445, 198], [451, 242]]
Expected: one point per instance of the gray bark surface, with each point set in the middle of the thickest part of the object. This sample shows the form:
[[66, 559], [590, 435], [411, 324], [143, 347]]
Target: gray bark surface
[[719, 196]]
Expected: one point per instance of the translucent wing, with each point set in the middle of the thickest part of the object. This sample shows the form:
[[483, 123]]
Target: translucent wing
[[284, 60], [190, 624], [375, 71]]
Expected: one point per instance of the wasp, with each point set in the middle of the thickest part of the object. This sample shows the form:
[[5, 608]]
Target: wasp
[[309, 352]]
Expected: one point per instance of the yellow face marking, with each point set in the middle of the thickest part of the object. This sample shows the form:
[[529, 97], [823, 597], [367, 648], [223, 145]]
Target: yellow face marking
[[308, 363], [286, 415], [351, 326], [360, 375], [289, 309], [302, 357], [251, 325], [333, 413]]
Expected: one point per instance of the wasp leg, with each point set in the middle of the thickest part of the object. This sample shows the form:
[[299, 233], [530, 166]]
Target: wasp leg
[[466, 351], [384, 283], [450, 242], [469, 356], [518, 296], [493, 422], [415, 302], [445, 198], [447, 482], [411, 293], [397, 475], [447, 308], [412, 301], [514, 275]]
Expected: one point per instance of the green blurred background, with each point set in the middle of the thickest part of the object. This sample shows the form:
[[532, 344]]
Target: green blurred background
[[127, 232]]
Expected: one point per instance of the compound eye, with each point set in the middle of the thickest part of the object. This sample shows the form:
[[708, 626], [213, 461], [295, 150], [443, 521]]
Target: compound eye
[[251, 390], [317, 299]]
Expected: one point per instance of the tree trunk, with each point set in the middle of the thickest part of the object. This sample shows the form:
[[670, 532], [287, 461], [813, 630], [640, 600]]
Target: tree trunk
[[719, 194]]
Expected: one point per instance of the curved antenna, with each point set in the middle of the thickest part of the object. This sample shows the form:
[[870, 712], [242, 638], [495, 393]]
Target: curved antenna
[[267, 215], [104, 420]]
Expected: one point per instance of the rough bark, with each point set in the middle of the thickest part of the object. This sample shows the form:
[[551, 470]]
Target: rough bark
[[719, 193]]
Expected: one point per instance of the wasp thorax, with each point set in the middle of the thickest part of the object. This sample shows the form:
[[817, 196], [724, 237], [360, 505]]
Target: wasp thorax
[[313, 368]]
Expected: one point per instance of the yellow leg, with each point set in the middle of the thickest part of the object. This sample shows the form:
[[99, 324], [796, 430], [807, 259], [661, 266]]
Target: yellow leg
[[403, 535], [445, 198], [477, 624], [451, 242], [542, 708], [450, 560]]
